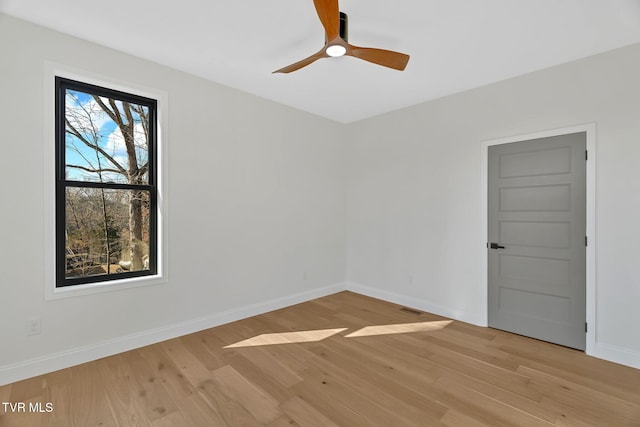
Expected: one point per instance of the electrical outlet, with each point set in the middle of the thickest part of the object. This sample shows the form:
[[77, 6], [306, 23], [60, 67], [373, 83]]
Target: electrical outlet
[[34, 326], [304, 275]]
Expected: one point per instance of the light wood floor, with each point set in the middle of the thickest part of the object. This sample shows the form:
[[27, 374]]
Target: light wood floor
[[427, 372]]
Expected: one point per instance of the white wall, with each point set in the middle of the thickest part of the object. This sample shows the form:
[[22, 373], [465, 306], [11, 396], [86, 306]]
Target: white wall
[[414, 197], [256, 198]]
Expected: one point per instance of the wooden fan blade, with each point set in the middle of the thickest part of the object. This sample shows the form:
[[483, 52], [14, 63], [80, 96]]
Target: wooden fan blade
[[303, 63], [329, 15], [386, 58]]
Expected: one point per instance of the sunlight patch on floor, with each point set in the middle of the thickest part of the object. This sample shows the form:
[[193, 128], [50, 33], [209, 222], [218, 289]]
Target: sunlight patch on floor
[[321, 334], [401, 328], [287, 338]]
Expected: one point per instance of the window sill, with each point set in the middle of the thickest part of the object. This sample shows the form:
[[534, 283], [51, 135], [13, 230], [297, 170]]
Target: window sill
[[101, 287]]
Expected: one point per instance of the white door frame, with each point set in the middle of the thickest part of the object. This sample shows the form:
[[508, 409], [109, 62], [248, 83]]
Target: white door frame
[[590, 129]]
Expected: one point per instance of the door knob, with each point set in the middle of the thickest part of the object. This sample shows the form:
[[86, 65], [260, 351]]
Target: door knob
[[496, 246]]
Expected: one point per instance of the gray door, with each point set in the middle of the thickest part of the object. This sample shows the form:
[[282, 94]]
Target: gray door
[[537, 226]]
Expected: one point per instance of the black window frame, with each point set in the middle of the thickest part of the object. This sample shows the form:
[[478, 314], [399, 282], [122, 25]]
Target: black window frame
[[63, 84]]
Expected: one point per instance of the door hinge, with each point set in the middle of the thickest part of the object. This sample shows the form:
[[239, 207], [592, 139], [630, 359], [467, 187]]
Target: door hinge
[[585, 241], [585, 327], [586, 155]]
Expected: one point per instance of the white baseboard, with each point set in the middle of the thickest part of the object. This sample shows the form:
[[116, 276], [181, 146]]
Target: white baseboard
[[56, 361], [412, 302], [622, 356], [76, 356]]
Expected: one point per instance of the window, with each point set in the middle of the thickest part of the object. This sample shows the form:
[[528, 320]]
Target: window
[[106, 184]]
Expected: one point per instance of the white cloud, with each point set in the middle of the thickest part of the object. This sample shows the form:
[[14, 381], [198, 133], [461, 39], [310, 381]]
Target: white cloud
[[115, 141]]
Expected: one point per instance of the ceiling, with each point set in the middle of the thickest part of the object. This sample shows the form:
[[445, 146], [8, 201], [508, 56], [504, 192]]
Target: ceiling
[[454, 45]]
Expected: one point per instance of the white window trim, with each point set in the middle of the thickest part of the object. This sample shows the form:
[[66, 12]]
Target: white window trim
[[51, 70]]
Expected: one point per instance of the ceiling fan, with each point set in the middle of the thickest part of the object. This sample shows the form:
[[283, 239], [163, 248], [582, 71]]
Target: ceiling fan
[[335, 26]]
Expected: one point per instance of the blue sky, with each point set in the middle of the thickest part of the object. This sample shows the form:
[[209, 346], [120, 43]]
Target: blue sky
[[89, 119]]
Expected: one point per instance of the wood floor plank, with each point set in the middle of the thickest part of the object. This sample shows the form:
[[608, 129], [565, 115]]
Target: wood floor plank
[[454, 418], [147, 391], [623, 382], [26, 389], [23, 420], [172, 420], [411, 369], [261, 405], [585, 403], [196, 413], [507, 397], [405, 393], [384, 366], [343, 405], [88, 400], [265, 358], [267, 383], [284, 421], [485, 408], [5, 392], [483, 371], [164, 369], [188, 364], [305, 414], [122, 393], [229, 410], [57, 393], [198, 346]]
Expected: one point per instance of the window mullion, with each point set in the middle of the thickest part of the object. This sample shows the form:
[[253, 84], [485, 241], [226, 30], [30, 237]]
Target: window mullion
[[112, 185]]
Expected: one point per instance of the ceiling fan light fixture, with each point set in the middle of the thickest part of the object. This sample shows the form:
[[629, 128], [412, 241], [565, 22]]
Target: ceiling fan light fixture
[[336, 50]]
